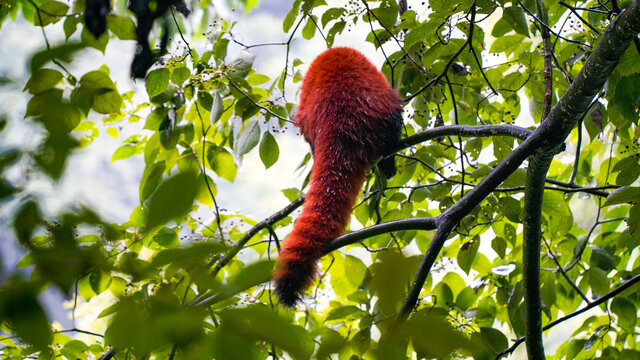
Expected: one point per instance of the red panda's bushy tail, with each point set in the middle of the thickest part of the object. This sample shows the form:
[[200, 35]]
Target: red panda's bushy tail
[[333, 191], [350, 116]]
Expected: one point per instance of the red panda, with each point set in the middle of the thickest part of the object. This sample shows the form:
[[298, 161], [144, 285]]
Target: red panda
[[350, 116]]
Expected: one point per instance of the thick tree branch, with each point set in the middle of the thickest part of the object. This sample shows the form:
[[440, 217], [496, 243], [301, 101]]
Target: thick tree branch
[[532, 234], [403, 224], [532, 213], [462, 130]]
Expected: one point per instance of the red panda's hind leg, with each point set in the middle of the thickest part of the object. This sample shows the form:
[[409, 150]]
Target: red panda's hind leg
[[392, 132]]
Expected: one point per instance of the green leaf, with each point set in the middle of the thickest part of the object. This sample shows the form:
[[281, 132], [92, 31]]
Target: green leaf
[[107, 101], [467, 254], [347, 273], [634, 220], [466, 298], [179, 75], [386, 13], [433, 336], [514, 16], [390, 274], [628, 171], [26, 220], [99, 281], [257, 79], [173, 198], [241, 64], [41, 103], [601, 258], [548, 289], [626, 194], [249, 276], [157, 81], [54, 152], [309, 28], [198, 252], [84, 288], [122, 26], [74, 349], [259, 323], [70, 26], [500, 28], [291, 194], [335, 29], [626, 313], [221, 162], [291, 16], [138, 215], [151, 178], [506, 43], [249, 138], [96, 80], [42, 80], [485, 343], [331, 342], [90, 40], [361, 341], [50, 13], [20, 308], [204, 195], [345, 312], [510, 207], [553, 204], [598, 281], [499, 245], [62, 53], [269, 150], [331, 14], [217, 108], [418, 34], [123, 152], [61, 117], [165, 238]]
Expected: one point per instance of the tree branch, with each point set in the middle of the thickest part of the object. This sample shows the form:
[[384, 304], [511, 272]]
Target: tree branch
[[532, 233], [397, 225], [461, 130], [532, 213]]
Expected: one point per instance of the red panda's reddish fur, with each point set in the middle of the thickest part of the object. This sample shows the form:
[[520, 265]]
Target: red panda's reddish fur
[[350, 116]]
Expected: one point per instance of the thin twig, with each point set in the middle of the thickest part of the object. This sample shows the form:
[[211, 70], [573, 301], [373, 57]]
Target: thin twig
[[585, 22], [203, 170], [564, 273], [181, 35], [548, 28], [284, 212], [253, 101]]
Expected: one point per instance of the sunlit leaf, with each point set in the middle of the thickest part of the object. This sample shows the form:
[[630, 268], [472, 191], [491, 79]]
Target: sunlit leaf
[[157, 81], [122, 26], [43, 79], [50, 13]]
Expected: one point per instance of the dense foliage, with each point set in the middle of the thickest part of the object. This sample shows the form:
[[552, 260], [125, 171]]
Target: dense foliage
[[477, 77]]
